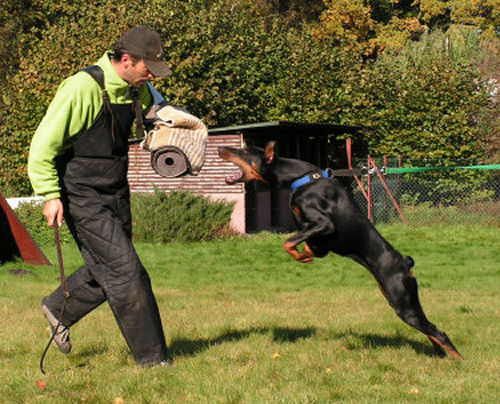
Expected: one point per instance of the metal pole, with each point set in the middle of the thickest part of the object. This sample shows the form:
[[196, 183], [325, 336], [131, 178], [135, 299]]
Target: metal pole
[[349, 163], [384, 183], [369, 198]]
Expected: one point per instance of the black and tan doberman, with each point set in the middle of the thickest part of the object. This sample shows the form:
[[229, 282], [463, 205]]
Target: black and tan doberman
[[328, 221]]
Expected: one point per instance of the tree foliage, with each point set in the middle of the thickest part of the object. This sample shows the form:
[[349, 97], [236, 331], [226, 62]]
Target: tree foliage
[[411, 72], [422, 102]]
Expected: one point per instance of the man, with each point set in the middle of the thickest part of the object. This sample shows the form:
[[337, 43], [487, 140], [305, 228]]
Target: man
[[78, 162]]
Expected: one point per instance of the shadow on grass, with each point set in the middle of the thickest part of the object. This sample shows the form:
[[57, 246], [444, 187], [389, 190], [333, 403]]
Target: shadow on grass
[[185, 347], [349, 340], [366, 341], [81, 359]]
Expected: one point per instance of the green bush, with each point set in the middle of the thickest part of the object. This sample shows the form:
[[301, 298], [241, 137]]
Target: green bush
[[179, 216], [30, 214], [156, 218]]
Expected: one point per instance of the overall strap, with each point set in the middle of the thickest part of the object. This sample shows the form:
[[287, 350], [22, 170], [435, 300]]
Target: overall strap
[[97, 74]]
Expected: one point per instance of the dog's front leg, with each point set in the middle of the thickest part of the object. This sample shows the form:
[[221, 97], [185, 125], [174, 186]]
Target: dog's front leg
[[290, 245], [312, 222], [306, 256]]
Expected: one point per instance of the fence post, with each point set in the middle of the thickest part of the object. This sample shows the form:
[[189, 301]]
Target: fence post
[[385, 196], [369, 195], [400, 164], [387, 189], [349, 165]]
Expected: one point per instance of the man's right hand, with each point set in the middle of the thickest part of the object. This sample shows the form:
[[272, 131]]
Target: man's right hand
[[53, 211]]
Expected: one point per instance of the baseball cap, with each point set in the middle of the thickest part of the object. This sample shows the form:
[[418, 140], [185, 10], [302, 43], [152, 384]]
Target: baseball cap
[[145, 43]]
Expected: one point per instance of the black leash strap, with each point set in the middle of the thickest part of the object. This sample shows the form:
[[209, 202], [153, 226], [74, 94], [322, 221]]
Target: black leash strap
[[353, 172], [64, 288], [60, 260]]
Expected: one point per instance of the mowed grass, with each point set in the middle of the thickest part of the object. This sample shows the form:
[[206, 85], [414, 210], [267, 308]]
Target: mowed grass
[[247, 324]]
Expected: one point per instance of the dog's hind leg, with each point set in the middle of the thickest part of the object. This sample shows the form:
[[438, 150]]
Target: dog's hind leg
[[401, 291]]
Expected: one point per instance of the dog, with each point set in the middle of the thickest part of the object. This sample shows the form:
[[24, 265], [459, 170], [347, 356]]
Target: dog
[[329, 222]]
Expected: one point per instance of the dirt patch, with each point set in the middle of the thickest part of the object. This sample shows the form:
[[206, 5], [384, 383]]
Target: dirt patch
[[19, 272]]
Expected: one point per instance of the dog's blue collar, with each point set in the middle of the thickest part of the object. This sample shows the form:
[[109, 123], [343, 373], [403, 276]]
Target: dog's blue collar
[[306, 179]]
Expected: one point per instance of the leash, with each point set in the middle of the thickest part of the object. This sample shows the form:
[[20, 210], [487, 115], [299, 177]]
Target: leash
[[64, 288]]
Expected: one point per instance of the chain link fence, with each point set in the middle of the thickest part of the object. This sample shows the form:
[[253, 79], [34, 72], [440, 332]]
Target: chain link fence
[[435, 195]]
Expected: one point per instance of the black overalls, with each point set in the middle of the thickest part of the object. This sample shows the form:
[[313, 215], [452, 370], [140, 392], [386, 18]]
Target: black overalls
[[96, 199]]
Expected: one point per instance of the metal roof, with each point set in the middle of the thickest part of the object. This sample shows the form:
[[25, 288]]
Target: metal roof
[[284, 128]]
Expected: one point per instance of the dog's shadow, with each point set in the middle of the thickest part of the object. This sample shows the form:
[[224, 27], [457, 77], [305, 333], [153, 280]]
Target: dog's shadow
[[350, 340], [356, 341], [186, 347]]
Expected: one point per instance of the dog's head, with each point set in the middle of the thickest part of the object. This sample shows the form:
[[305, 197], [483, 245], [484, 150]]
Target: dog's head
[[254, 162]]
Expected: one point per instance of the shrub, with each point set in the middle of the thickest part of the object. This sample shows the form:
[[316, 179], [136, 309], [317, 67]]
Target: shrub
[[30, 214], [156, 218], [179, 216]]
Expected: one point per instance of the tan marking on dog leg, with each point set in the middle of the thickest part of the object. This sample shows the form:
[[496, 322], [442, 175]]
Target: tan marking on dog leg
[[308, 250], [296, 211], [450, 350], [291, 249]]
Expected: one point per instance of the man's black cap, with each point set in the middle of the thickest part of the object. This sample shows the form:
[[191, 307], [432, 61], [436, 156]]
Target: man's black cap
[[145, 43]]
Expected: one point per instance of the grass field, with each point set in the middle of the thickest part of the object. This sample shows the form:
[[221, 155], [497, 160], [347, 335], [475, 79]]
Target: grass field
[[246, 324]]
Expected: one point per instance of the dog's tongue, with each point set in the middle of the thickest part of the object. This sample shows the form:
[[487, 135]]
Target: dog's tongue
[[233, 179]]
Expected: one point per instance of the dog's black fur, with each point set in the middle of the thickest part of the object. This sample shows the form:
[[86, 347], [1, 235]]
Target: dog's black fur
[[328, 221]]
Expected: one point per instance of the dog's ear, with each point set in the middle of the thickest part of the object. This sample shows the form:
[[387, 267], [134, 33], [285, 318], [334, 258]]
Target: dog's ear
[[409, 261], [269, 152]]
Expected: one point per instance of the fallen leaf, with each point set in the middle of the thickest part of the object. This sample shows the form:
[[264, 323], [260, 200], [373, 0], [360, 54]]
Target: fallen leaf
[[41, 384]]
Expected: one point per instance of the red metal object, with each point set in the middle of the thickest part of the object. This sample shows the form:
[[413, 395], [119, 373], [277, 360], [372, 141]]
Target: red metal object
[[29, 250], [368, 194], [387, 189], [349, 163]]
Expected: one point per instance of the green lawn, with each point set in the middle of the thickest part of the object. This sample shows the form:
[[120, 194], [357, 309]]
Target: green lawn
[[246, 324]]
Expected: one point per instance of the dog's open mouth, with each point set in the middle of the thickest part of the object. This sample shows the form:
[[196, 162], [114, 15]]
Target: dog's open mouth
[[233, 179], [248, 171]]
